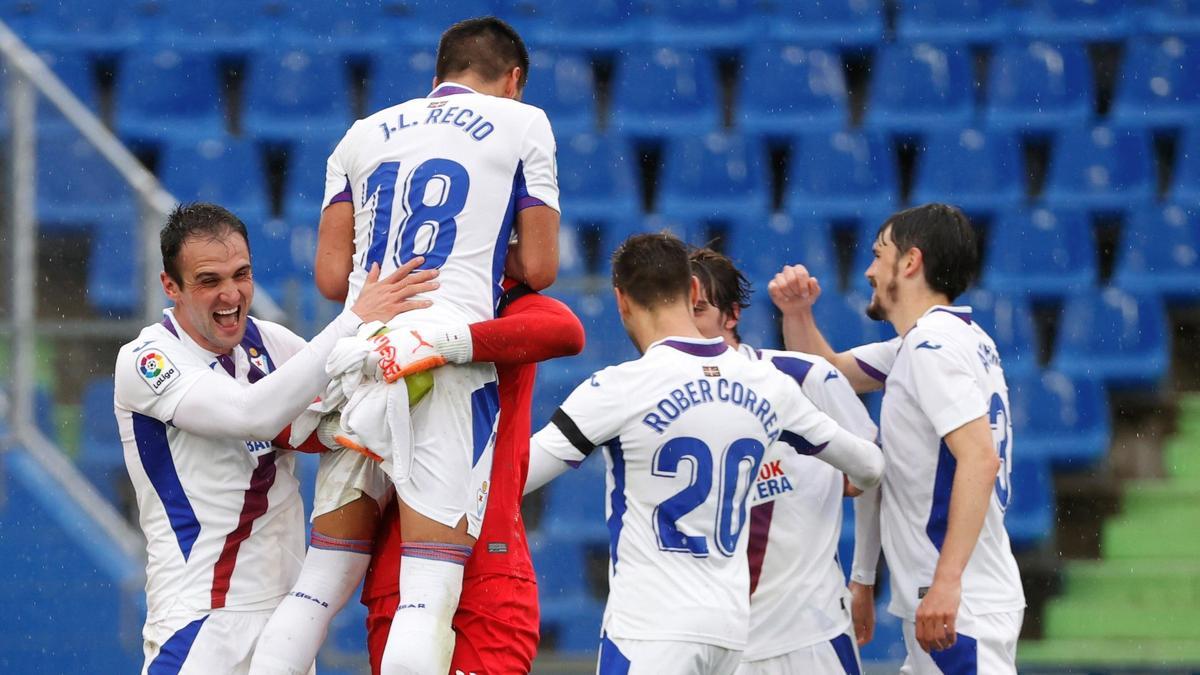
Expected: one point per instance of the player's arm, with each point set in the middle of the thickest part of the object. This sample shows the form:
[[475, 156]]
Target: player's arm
[[794, 292], [866, 557], [221, 407], [591, 415], [531, 328], [811, 432], [335, 251], [534, 257]]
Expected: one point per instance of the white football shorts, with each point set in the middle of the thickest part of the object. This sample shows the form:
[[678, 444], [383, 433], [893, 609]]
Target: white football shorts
[[345, 475], [987, 643], [218, 641], [619, 656], [836, 656]]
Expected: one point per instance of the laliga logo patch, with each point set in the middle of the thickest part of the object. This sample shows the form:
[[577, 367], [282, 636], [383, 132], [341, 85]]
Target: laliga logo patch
[[387, 357], [157, 371], [259, 359]]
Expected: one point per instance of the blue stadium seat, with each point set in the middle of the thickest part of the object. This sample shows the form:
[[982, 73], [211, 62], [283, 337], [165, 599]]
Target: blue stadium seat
[[422, 21], [1029, 518], [271, 250], [575, 502], [759, 323], [570, 610], [1159, 87], [76, 186], [659, 92], [220, 27], [345, 26], [602, 25], [396, 78], [701, 24], [1038, 87], [1041, 253], [951, 20], [1090, 20], [840, 174], [1101, 168], [561, 83], [1160, 253], [839, 23], [1120, 338], [225, 170], [556, 379], [607, 341], [95, 27], [596, 176], [844, 322], [1172, 17], [761, 248], [919, 87], [1059, 419], [294, 92], [74, 68], [304, 181], [1009, 320], [1186, 184], [715, 175], [169, 93], [101, 456], [114, 286], [977, 171], [813, 100]]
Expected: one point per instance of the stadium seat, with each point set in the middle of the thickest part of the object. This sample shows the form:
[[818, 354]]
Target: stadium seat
[[1009, 320], [762, 248], [294, 92], [1041, 253], [304, 180], [563, 86], [102, 28], [101, 456], [1038, 87], [224, 170], [602, 25], [759, 323], [344, 26], [271, 250], [1186, 184], [840, 23], [813, 100], [114, 286], [220, 27], [1059, 419], [606, 340], [919, 87], [951, 20], [422, 21], [977, 171], [1091, 20], [1160, 253], [597, 176], [660, 92], [1029, 518], [1158, 86], [1112, 335], [713, 176], [570, 610], [701, 24], [74, 69], [76, 187], [574, 508], [840, 174], [169, 93], [844, 322], [1101, 169], [397, 78], [1172, 17]]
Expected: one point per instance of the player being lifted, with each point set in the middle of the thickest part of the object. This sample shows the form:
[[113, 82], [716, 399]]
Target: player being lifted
[[946, 433], [198, 399], [799, 613], [448, 176], [686, 427]]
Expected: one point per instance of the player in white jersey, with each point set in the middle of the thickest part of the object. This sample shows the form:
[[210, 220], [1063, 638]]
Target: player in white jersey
[[946, 432], [685, 428], [450, 176], [799, 607], [198, 399]]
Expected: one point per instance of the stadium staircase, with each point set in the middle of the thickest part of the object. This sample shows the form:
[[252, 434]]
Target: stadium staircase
[[1140, 603]]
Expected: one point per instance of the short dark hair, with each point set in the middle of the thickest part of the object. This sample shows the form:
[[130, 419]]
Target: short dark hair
[[485, 45], [198, 219], [652, 269], [723, 283], [947, 242]]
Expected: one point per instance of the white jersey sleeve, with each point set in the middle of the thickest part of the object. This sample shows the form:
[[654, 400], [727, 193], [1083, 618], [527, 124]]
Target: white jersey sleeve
[[337, 176], [811, 432], [538, 169], [591, 416], [943, 382], [831, 393], [154, 376], [876, 359]]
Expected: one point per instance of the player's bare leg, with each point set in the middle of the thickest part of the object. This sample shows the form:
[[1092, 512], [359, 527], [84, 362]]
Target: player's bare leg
[[433, 557], [337, 559]]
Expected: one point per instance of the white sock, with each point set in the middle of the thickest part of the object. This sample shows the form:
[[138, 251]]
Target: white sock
[[421, 640], [297, 629]]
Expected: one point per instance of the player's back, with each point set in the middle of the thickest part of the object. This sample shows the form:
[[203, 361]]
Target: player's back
[[947, 373], [443, 176], [694, 419]]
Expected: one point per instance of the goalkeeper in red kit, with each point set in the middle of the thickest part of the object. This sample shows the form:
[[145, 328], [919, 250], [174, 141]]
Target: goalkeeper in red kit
[[496, 624]]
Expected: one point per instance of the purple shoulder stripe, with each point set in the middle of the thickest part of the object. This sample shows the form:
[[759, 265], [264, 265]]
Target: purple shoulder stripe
[[870, 370]]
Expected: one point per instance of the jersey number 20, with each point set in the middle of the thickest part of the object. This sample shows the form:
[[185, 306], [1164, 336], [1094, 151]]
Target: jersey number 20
[[434, 195], [739, 463]]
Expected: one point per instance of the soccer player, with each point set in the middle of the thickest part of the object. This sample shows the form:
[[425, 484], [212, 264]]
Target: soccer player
[[799, 615], [449, 176], [198, 399], [685, 427], [947, 435], [497, 619]]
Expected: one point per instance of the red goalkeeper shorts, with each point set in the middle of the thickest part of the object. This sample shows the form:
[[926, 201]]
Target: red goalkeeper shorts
[[495, 627]]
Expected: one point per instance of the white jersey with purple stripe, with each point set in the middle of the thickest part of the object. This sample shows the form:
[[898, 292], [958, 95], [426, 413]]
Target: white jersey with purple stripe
[[443, 177], [223, 519], [798, 591], [685, 428], [943, 373]]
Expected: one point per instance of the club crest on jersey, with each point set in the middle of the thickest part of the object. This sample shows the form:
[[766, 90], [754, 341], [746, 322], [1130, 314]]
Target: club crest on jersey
[[157, 371], [259, 359]]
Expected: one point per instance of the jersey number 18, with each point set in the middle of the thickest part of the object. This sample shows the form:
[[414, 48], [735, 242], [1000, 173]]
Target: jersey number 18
[[428, 228]]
